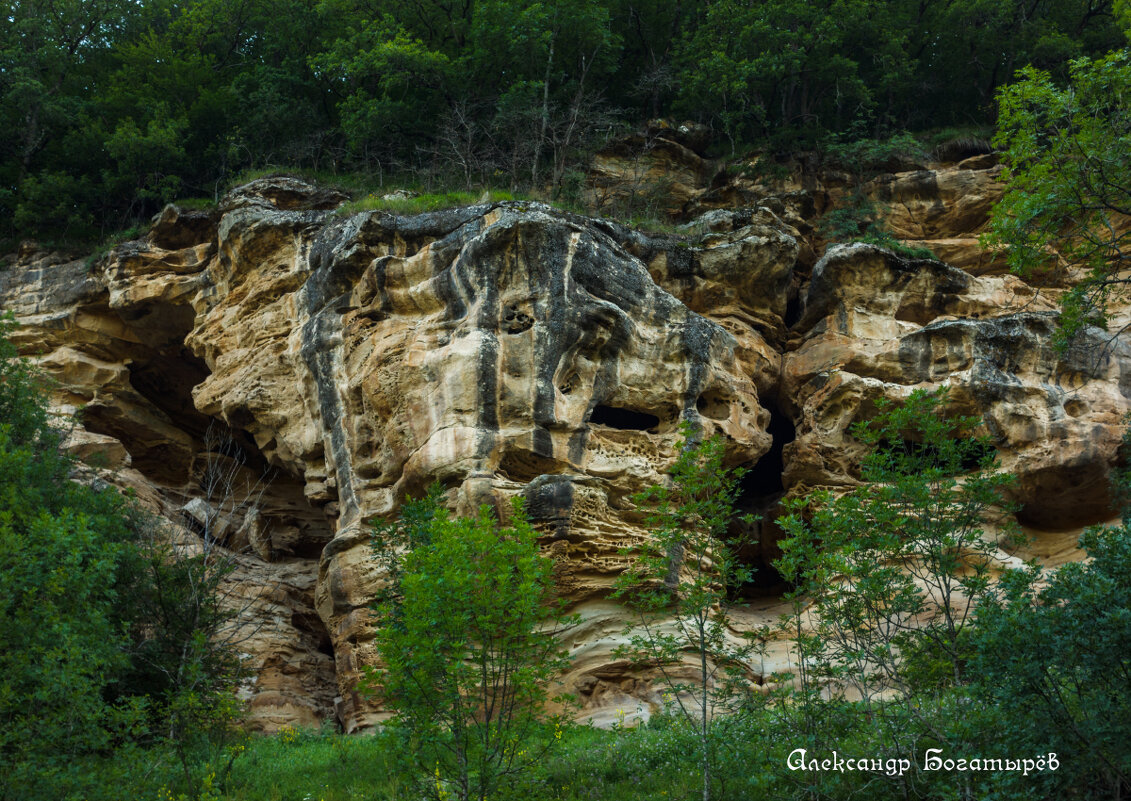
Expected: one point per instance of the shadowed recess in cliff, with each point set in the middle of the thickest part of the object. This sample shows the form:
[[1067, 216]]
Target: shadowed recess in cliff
[[623, 419], [288, 525], [1063, 497], [760, 492], [762, 485]]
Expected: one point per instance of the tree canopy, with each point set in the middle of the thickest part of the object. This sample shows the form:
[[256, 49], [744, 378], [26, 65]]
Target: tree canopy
[[115, 107]]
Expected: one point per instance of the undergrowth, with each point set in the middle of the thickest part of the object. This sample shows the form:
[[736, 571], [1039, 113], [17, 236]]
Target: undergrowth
[[407, 203]]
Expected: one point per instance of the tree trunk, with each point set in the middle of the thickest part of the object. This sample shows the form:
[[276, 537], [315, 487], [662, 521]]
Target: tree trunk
[[545, 111]]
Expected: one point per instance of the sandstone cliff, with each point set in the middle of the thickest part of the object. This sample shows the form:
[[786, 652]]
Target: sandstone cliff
[[510, 348]]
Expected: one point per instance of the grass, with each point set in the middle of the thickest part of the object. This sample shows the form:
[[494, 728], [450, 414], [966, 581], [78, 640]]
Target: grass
[[936, 137], [113, 240], [404, 203], [651, 763], [888, 241], [296, 765], [659, 761]]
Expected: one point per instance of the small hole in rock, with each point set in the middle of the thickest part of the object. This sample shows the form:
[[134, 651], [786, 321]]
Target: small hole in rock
[[624, 419], [516, 321], [714, 405]]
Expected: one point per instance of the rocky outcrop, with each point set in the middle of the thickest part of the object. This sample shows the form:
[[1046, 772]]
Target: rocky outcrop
[[512, 349], [878, 325]]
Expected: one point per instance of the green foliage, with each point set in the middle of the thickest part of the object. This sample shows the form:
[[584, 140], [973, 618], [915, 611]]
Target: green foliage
[[859, 220], [62, 551], [1069, 172], [1050, 652], [680, 582], [893, 566], [887, 579], [113, 107], [109, 634], [865, 157], [467, 645]]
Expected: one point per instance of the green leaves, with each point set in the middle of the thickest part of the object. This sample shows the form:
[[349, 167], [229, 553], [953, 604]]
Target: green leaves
[[108, 637], [680, 581], [62, 551], [895, 566], [466, 638], [1050, 652], [1069, 171]]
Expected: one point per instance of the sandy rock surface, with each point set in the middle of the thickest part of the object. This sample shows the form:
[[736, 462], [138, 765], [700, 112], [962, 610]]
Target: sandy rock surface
[[512, 349]]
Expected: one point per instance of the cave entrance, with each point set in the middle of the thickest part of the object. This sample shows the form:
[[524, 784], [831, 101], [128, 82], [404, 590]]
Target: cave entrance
[[793, 310], [763, 486], [623, 419], [760, 494]]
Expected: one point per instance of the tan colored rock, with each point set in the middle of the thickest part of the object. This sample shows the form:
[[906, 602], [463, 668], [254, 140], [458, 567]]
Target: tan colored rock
[[511, 349], [936, 204], [499, 350], [879, 325], [965, 253], [650, 172]]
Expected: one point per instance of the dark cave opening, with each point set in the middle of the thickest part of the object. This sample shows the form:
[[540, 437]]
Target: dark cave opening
[[623, 419], [220, 463], [764, 480], [760, 492], [793, 309], [311, 624], [765, 580], [167, 381]]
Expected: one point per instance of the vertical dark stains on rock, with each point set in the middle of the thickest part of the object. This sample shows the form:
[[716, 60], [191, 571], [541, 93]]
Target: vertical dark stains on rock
[[553, 328], [466, 276], [328, 287], [697, 336], [321, 338], [600, 300]]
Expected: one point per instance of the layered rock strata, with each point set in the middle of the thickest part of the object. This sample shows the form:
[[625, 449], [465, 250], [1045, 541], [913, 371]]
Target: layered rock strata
[[511, 349]]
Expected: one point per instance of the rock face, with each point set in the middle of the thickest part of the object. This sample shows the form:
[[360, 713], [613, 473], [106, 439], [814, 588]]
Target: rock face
[[512, 349], [877, 325]]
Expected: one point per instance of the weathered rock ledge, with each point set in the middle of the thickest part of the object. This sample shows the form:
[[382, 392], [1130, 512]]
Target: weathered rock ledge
[[511, 348]]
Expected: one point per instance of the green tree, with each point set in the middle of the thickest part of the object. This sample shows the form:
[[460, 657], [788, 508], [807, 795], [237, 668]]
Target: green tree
[[63, 548], [1068, 154], [805, 67], [896, 566], [1051, 654], [888, 576], [681, 582], [110, 635], [466, 639]]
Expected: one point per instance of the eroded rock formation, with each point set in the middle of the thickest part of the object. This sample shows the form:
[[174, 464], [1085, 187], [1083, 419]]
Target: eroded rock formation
[[512, 349]]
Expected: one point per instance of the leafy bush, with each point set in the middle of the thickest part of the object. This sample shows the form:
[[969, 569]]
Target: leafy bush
[[107, 639], [1069, 190], [864, 157], [1051, 653], [861, 221], [63, 553], [467, 646]]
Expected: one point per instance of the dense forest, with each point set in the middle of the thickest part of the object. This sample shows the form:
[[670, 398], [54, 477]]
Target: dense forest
[[940, 673], [114, 107]]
